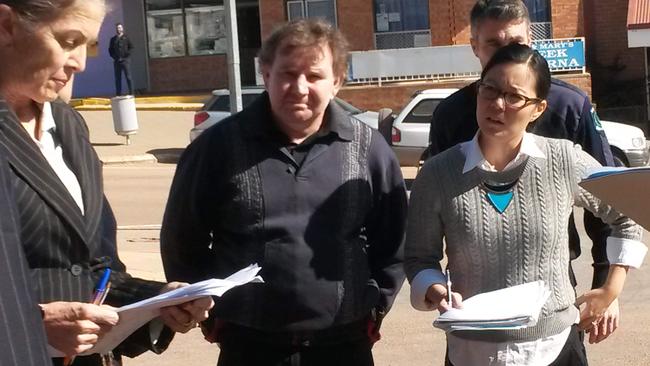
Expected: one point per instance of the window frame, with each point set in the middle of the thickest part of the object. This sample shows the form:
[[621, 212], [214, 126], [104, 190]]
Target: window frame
[[305, 8], [221, 8], [185, 33]]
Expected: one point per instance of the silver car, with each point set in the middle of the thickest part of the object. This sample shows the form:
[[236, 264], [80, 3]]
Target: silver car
[[218, 107]]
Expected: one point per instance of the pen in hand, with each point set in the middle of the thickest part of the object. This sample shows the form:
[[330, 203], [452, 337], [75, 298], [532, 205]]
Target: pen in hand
[[449, 300], [102, 288], [98, 299]]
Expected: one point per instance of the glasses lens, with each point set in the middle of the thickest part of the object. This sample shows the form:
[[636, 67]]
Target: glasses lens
[[515, 100], [488, 91]]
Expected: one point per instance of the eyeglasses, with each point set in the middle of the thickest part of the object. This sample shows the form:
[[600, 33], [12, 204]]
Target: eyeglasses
[[512, 100]]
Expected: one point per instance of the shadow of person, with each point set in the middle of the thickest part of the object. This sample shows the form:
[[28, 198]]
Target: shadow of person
[[107, 144], [342, 234], [167, 156]]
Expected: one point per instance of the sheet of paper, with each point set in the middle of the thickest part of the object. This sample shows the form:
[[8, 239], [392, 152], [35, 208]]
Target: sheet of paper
[[136, 315], [625, 189], [509, 308]]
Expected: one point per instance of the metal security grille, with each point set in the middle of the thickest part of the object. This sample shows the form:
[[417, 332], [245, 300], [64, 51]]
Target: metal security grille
[[541, 30], [406, 39]]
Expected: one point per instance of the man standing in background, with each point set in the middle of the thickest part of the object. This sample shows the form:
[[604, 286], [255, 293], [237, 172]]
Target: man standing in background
[[120, 50]]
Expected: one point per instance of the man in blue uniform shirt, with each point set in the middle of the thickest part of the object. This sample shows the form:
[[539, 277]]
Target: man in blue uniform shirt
[[569, 115]]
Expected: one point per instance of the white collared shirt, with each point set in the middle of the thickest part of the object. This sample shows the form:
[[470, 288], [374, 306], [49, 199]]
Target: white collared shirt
[[53, 153], [474, 157]]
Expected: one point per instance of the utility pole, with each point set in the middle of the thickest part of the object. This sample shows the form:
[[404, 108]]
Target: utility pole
[[234, 79]]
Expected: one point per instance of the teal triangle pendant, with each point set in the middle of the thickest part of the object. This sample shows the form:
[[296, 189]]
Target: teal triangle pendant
[[500, 200]]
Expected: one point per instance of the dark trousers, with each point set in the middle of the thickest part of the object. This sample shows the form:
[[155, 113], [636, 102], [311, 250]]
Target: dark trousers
[[122, 67], [347, 345], [252, 353], [573, 353]]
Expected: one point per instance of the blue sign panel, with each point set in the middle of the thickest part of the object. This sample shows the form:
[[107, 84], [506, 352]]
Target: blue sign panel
[[562, 54]]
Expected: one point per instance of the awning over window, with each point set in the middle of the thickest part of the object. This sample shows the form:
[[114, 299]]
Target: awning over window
[[638, 23]]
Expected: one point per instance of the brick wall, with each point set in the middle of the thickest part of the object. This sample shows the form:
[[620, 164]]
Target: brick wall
[[356, 20], [272, 13], [187, 74], [618, 71], [567, 18], [450, 24], [440, 22], [461, 24], [395, 96]]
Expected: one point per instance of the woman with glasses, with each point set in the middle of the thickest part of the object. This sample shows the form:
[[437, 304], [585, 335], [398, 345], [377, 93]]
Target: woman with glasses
[[501, 203]]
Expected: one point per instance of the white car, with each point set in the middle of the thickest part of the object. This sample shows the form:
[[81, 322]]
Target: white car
[[410, 132], [218, 108]]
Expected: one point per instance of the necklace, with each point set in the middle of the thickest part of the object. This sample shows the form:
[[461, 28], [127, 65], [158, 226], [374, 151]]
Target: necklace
[[499, 194]]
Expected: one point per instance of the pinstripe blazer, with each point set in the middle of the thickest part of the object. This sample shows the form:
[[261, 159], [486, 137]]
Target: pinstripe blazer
[[22, 340], [67, 250]]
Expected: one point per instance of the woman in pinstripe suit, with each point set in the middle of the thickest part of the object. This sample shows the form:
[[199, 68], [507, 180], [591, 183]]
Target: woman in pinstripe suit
[[21, 333], [67, 227]]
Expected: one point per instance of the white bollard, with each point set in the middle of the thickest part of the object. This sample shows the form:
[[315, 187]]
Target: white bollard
[[125, 118]]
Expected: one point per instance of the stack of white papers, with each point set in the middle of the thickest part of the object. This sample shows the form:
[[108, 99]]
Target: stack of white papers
[[509, 308], [135, 315]]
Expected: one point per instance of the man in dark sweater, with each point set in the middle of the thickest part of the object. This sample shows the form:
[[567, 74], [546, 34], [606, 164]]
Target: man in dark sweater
[[120, 50], [315, 197], [569, 115]]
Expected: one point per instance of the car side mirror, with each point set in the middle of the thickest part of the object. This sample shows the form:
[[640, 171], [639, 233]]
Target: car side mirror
[[385, 123]]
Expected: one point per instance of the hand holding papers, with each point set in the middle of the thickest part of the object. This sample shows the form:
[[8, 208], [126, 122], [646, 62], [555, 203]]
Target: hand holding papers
[[509, 308], [625, 189], [136, 315]]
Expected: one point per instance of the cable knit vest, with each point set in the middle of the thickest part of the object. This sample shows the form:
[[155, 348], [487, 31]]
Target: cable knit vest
[[488, 250]]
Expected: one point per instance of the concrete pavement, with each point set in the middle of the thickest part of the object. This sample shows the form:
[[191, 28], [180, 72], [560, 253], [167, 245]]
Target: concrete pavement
[[161, 137]]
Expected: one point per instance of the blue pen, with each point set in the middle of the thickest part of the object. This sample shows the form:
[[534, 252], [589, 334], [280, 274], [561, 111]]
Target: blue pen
[[98, 299], [101, 287]]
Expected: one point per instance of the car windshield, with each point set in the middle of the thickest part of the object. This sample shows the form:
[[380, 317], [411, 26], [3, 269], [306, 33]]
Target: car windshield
[[221, 103]]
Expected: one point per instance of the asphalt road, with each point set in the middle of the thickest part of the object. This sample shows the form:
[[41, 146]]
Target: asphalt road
[[138, 194]]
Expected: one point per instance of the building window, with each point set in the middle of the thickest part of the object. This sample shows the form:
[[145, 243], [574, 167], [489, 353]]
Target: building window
[[206, 29], [325, 9], [402, 23], [185, 27], [540, 17], [165, 28]]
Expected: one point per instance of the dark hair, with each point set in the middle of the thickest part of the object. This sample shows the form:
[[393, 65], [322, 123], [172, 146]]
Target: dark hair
[[521, 54], [501, 10], [44, 11], [304, 33]]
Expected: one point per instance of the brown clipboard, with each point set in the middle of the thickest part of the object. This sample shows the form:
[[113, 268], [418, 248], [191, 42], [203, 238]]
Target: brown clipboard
[[627, 191]]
